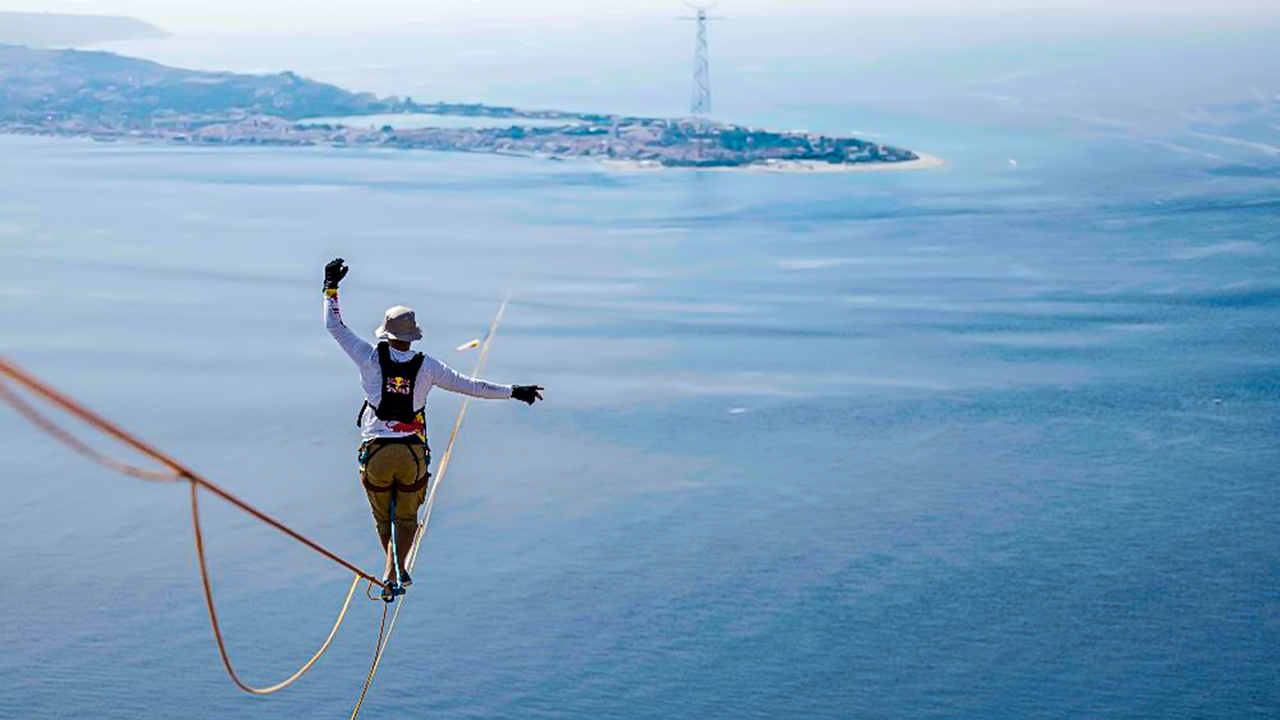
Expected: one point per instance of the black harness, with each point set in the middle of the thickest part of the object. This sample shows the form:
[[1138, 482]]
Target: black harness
[[369, 448], [396, 405], [398, 382]]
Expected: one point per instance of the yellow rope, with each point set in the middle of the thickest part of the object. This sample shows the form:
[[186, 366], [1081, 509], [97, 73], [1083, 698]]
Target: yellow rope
[[180, 472], [217, 629], [8, 371], [377, 650]]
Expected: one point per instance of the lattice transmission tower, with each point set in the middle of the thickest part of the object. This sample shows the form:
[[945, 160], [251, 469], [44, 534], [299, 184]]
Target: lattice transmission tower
[[700, 106]]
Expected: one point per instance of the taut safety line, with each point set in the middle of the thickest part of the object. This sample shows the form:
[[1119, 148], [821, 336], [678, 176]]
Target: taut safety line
[[177, 472]]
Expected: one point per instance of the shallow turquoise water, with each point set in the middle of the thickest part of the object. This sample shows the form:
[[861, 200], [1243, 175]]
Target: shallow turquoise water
[[984, 441]]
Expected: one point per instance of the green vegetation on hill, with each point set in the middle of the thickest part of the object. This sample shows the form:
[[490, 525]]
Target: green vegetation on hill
[[42, 83]]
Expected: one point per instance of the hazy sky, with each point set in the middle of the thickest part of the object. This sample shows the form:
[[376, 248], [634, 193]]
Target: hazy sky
[[195, 15]]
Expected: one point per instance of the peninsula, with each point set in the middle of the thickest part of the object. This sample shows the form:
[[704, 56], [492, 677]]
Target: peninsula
[[73, 93]]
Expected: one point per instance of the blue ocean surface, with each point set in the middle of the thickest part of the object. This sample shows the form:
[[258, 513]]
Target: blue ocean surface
[[991, 440]]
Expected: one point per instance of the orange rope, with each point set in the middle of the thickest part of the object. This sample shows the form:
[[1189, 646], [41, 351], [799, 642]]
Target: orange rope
[[178, 472], [217, 630], [44, 423]]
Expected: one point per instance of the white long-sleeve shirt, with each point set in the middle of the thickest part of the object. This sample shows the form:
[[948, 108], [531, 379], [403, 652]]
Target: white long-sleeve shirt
[[432, 374]]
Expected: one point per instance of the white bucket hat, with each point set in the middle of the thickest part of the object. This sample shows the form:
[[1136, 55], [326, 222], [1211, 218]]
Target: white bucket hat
[[399, 324]]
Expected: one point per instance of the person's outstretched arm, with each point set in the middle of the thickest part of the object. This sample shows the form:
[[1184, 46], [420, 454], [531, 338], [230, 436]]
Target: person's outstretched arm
[[443, 376], [355, 346]]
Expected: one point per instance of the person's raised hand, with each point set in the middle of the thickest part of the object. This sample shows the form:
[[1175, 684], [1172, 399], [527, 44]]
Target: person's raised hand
[[527, 393], [334, 271]]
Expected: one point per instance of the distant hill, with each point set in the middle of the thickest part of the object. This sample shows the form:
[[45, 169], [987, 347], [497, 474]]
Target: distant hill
[[55, 30], [101, 85]]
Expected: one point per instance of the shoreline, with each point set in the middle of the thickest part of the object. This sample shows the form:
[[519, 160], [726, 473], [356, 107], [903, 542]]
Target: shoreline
[[923, 161], [109, 98]]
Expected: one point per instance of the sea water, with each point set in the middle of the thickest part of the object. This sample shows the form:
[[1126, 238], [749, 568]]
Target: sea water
[[993, 440]]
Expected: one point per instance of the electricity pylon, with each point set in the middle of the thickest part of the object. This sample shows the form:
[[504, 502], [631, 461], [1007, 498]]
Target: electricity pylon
[[701, 103]]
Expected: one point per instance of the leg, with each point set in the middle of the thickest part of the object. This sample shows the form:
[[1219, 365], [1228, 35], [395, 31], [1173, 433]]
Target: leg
[[380, 503], [384, 540], [405, 532], [395, 465], [374, 477], [406, 519]]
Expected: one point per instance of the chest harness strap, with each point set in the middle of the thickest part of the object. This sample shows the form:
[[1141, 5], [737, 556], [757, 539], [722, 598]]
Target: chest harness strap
[[395, 405]]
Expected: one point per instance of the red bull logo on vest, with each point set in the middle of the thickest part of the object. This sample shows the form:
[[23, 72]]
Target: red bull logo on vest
[[398, 385]]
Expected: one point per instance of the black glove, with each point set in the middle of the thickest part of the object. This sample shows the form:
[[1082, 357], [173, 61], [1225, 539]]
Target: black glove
[[526, 393], [334, 271]]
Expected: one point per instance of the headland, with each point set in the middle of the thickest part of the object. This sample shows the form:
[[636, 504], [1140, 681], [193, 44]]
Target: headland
[[108, 97]]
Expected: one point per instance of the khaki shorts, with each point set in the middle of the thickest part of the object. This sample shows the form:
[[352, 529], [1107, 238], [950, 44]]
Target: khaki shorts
[[395, 469]]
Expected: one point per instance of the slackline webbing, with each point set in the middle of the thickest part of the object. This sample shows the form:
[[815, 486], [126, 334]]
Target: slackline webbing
[[177, 472]]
